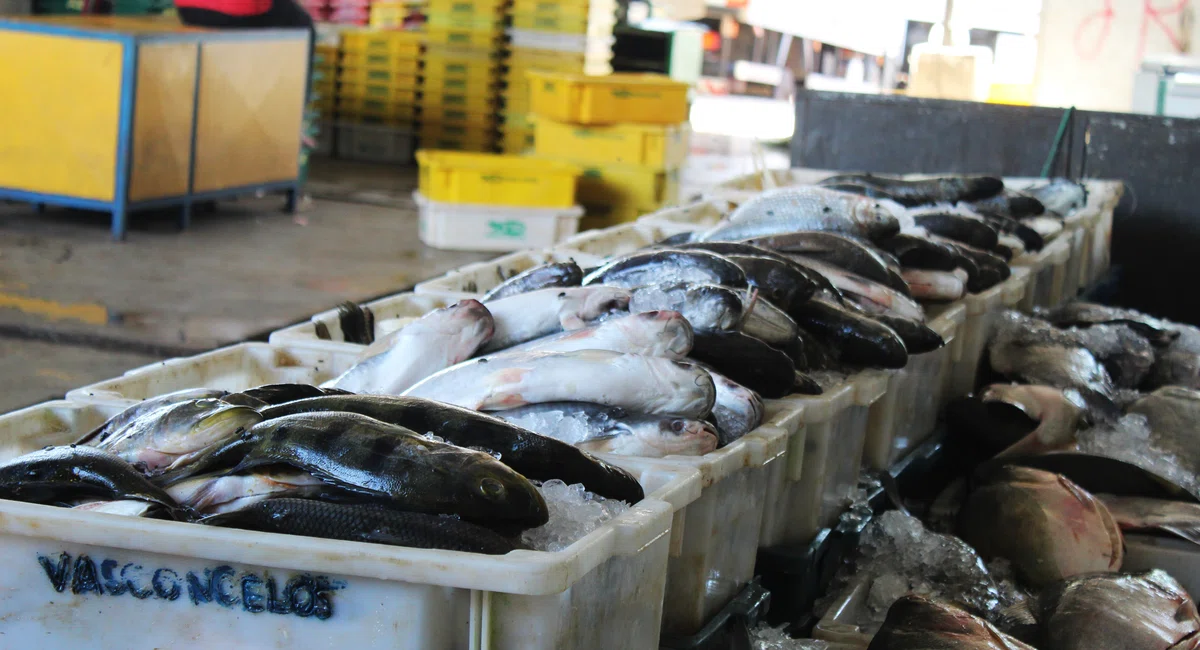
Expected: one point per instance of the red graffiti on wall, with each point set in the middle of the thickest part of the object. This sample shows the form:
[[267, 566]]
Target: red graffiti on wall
[[1091, 36]]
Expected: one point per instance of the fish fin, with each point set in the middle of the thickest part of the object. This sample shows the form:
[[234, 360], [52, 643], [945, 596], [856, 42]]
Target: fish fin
[[571, 322], [1190, 533]]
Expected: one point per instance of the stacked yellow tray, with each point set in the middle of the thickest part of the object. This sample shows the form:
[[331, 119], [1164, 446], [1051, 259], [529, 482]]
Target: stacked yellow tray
[[460, 77], [324, 78], [377, 77]]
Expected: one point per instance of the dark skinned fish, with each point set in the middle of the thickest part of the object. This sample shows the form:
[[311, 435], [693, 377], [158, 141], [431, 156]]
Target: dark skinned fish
[[643, 268], [1173, 414], [1011, 203], [776, 277], [917, 336], [73, 472], [357, 323], [960, 228], [119, 421], [771, 324], [920, 253], [747, 361], [1179, 362], [1034, 352], [1031, 239], [887, 299], [551, 274], [176, 435], [387, 462], [944, 189], [281, 393], [989, 269], [858, 339], [918, 623], [1078, 313], [363, 522], [534, 456], [842, 251]]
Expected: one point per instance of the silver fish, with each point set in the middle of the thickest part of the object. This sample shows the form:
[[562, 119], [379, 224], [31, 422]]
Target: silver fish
[[116, 423], [535, 314], [653, 333], [638, 383], [882, 295], [1036, 352], [597, 428], [434, 342], [769, 323], [123, 507], [215, 494], [1060, 195], [174, 436], [790, 209], [707, 307], [737, 411], [938, 286]]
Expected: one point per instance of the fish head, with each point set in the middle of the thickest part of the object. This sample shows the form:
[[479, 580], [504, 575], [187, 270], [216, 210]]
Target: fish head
[[918, 623], [710, 307], [601, 300], [670, 333], [686, 437], [499, 493], [875, 217], [473, 320], [196, 425], [1107, 611]]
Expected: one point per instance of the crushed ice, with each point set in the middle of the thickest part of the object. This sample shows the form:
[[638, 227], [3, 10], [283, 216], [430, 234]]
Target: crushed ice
[[1128, 439], [827, 379], [569, 427], [774, 638], [574, 512], [429, 435]]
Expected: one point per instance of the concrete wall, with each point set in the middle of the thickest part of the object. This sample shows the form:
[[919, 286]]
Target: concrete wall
[[1088, 50]]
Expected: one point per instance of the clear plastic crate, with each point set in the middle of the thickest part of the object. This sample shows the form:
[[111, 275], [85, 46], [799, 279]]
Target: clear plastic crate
[[1048, 272]]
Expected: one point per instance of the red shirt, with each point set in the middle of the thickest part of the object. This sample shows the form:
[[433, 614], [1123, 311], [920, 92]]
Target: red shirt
[[230, 7]]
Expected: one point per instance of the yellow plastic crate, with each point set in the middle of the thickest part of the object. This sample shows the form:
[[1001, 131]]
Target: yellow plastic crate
[[484, 136], [526, 58], [402, 90], [405, 44], [460, 118], [459, 86], [564, 7], [381, 60], [564, 23], [580, 99], [390, 15], [466, 7], [625, 185], [454, 36], [400, 78], [376, 108], [437, 102], [455, 144], [517, 120], [497, 180], [516, 141], [493, 23], [646, 145]]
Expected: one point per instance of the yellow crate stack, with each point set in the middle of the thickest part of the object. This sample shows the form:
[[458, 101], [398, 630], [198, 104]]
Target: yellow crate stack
[[629, 133], [377, 77], [460, 77], [572, 36]]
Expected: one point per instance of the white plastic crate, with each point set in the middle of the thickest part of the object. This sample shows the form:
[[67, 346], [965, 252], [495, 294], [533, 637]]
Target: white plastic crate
[[474, 280], [78, 579], [837, 625], [907, 412], [471, 227], [826, 436], [592, 45], [591, 247], [1178, 557], [1048, 272], [1103, 197], [373, 143], [688, 217], [400, 306]]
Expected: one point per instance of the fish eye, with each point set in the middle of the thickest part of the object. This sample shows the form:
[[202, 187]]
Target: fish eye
[[678, 426], [491, 488]]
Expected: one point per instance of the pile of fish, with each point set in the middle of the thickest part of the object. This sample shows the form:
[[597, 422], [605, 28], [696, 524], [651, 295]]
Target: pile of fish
[[669, 350], [303, 460]]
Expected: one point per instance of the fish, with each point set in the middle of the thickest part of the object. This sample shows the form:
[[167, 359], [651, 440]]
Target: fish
[[842, 251], [668, 265], [738, 410], [119, 421], [1178, 362], [1126, 355], [1172, 414], [747, 361], [639, 383], [802, 384], [886, 298], [791, 209], [937, 189], [1078, 313], [280, 393], [1046, 525], [791, 273], [707, 307], [781, 282], [72, 472], [857, 339], [918, 337], [1055, 415], [1033, 352], [176, 435], [1008, 246], [1114, 611], [1030, 239], [915, 252], [434, 342], [372, 523], [816, 355], [532, 315], [1180, 518], [984, 269], [653, 333], [958, 227], [859, 189], [122, 507], [769, 323], [596, 428], [1010, 203], [385, 462], [1047, 227], [918, 623], [219, 493], [533, 456], [550, 274], [934, 286], [1060, 196], [357, 323]]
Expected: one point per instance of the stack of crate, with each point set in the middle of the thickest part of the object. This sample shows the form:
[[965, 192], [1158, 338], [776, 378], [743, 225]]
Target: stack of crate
[[461, 74], [629, 133], [574, 36], [323, 95], [377, 94]]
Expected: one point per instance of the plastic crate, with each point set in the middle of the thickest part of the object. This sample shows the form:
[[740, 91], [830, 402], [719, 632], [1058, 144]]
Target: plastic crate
[[564, 23], [400, 78], [1048, 272], [460, 118], [434, 102], [699, 215], [385, 91], [516, 141], [579, 99], [400, 44], [391, 15], [459, 226], [465, 7], [837, 626], [458, 144], [478, 86], [376, 109], [485, 39], [496, 180], [405, 65], [400, 307], [604, 591], [483, 135], [378, 143], [491, 23], [655, 146], [325, 139], [592, 247], [589, 45], [643, 189], [564, 7], [523, 59]]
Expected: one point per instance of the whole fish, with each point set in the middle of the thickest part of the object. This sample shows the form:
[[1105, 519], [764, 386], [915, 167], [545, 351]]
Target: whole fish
[[363, 522], [1008, 246], [790, 209], [642, 268], [436, 341], [121, 420], [984, 269], [771, 324], [535, 314], [384, 461], [1046, 525], [915, 252], [1055, 414], [639, 383], [938, 189], [746, 360], [777, 277], [850, 283], [1032, 351], [842, 251], [857, 188], [597, 428], [1113, 611], [1010, 203], [707, 307], [280, 393], [1060, 196], [918, 623], [122, 507], [738, 409], [918, 338], [1179, 362], [550, 274], [1078, 313], [653, 333], [958, 227], [1126, 355], [1047, 227], [1181, 518], [1172, 414], [857, 339], [219, 493], [534, 456], [73, 472], [176, 435], [1030, 239]]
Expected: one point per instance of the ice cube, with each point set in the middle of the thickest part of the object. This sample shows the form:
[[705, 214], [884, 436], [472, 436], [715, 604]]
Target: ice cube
[[574, 512]]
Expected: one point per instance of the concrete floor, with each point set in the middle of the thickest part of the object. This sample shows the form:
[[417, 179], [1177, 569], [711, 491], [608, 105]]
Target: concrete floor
[[76, 307]]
